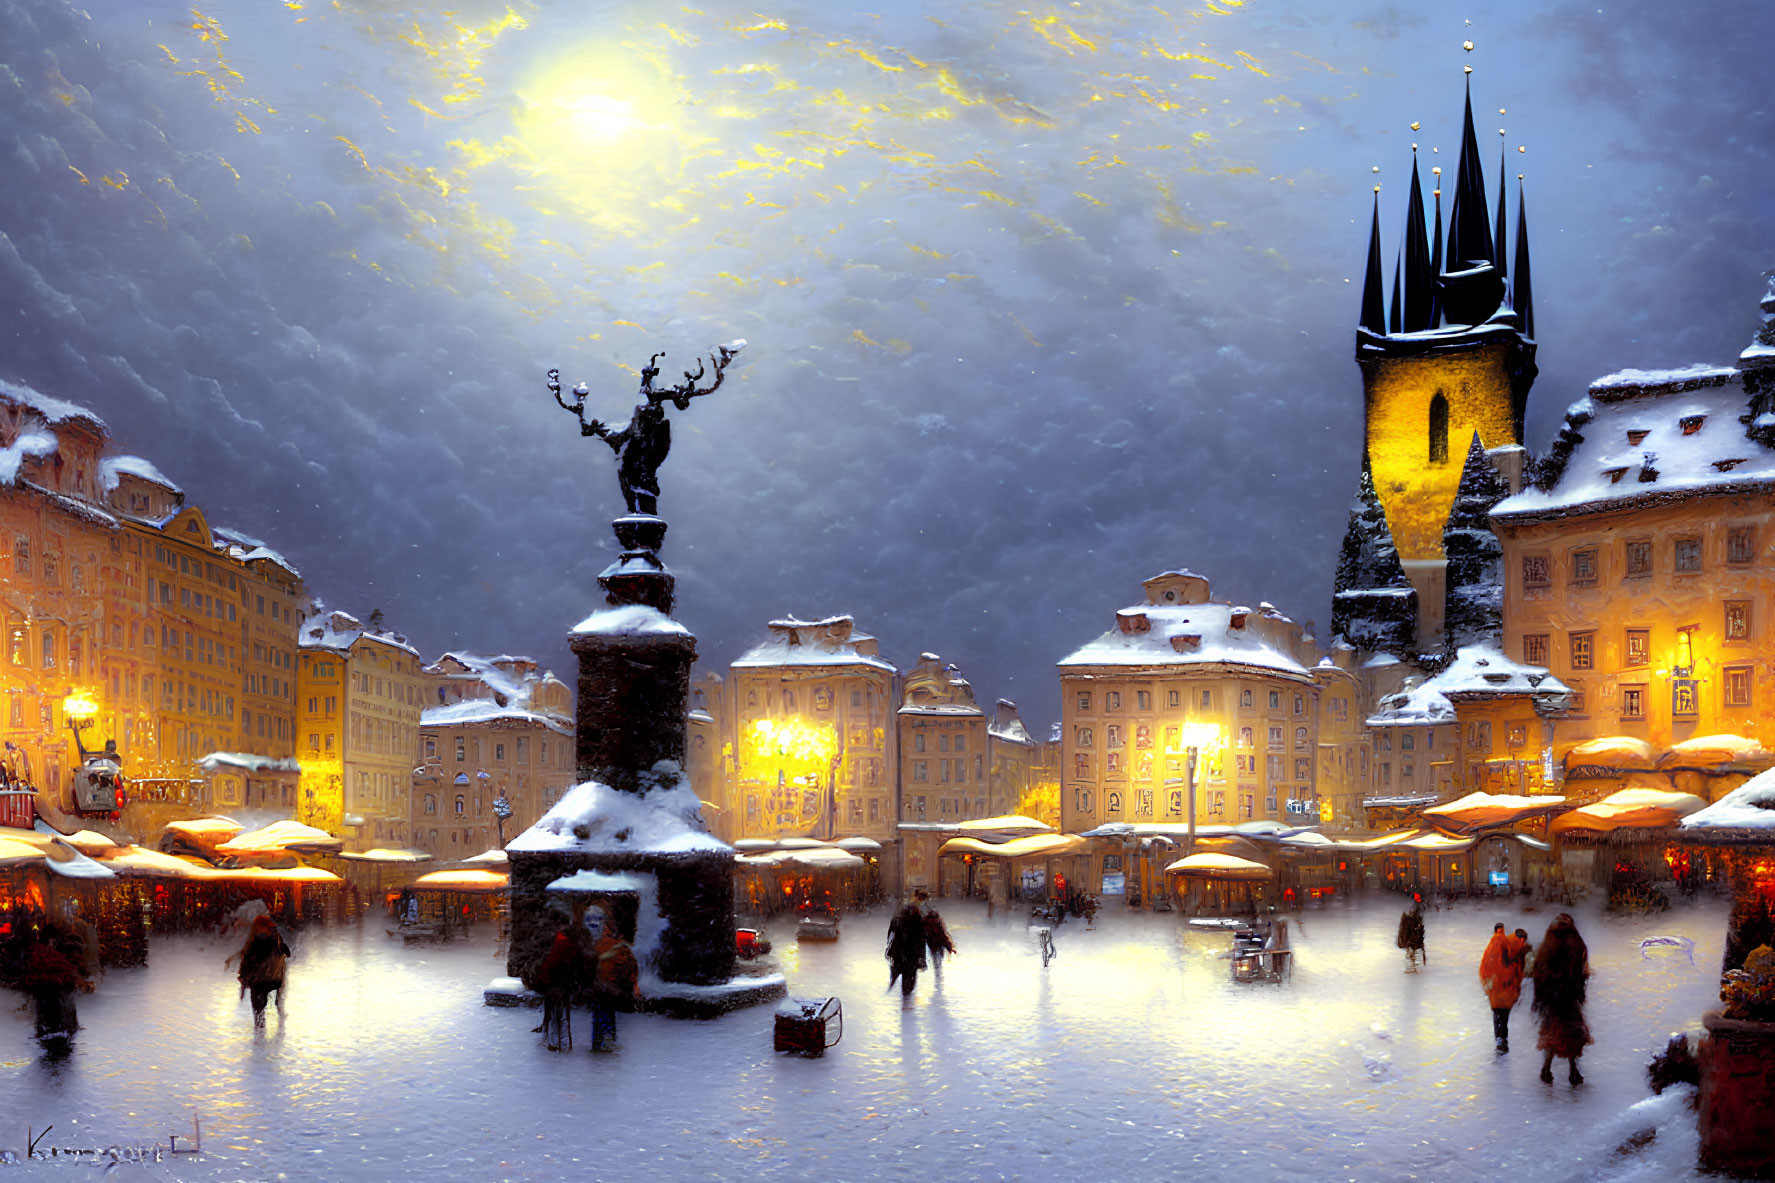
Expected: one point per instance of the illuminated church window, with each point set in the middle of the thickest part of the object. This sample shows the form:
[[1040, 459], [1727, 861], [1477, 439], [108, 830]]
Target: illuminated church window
[[1438, 429]]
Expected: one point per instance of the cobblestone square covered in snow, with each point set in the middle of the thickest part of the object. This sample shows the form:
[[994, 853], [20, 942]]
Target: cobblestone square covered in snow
[[1133, 1056]]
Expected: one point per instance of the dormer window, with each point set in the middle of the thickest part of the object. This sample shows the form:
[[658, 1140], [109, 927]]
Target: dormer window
[[1691, 423], [1614, 474], [1637, 436], [1728, 465], [794, 636]]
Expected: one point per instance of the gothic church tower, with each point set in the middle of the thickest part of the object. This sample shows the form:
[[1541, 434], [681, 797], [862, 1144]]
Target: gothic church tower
[[1451, 354]]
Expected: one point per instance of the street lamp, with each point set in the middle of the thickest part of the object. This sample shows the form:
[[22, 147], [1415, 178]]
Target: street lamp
[[1197, 736]]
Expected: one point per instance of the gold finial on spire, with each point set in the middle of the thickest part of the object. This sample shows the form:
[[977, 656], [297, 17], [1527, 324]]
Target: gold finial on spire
[[1466, 69], [1414, 147], [1377, 188], [1414, 125], [1375, 169], [1500, 131], [1520, 148], [1519, 176], [1437, 170], [1467, 45]]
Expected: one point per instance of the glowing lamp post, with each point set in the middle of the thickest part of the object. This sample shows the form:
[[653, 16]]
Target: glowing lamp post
[[1197, 736], [79, 711]]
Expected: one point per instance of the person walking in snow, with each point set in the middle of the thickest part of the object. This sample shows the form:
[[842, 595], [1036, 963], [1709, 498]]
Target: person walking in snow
[[1562, 965], [557, 978], [1500, 976], [936, 938], [614, 980], [264, 959], [1411, 934], [906, 948]]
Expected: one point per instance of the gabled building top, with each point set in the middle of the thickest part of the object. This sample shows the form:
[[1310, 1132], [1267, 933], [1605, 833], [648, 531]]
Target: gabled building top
[[832, 640]]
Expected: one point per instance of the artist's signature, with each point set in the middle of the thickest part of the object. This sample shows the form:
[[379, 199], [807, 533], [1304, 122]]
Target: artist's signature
[[39, 1149]]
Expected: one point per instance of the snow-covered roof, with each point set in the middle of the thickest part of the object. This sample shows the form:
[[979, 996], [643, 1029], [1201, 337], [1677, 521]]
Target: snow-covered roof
[[1416, 706], [113, 467], [1011, 732], [1644, 434], [829, 641], [1188, 634], [53, 410], [595, 818], [265, 552], [485, 710], [28, 443], [339, 631], [1481, 671]]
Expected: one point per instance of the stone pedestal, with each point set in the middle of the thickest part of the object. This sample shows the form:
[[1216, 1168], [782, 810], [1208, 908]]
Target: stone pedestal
[[633, 822], [633, 694], [1737, 1103]]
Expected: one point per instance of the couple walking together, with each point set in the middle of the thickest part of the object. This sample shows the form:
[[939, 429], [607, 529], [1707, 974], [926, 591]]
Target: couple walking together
[[915, 930], [1558, 969]]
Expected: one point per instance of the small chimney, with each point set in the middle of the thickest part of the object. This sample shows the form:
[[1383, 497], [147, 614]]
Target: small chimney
[[1132, 620], [1237, 619], [1187, 642]]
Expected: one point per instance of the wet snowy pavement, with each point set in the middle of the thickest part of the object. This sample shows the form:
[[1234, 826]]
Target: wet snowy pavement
[[1133, 1056]]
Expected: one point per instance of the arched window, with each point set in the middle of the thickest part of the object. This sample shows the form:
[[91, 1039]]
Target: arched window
[[431, 803], [460, 805], [1438, 429]]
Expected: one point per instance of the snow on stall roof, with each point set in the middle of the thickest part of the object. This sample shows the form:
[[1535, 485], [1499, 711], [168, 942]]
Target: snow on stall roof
[[595, 818], [485, 710], [248, 762], [630, 620], [54, 410], [1750, 806], [113, 467], [1168, 640], [1606, 468]]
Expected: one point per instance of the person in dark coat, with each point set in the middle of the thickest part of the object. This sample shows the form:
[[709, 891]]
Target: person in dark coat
[[51, 977], [906, 948], [263, 962], [1411, 935], [1562, 965], [936, 938], [557, 978]]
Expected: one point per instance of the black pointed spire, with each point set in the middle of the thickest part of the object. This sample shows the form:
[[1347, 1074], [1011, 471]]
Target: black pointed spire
[[1469, 238], [1393, 323], [1436, 261], [1502, 249], [1374, 308], [1522, 296], [1420, 274]]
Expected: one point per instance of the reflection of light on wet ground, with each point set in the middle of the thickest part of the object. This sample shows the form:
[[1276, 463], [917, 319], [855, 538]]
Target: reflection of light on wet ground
[[1133, 1056]]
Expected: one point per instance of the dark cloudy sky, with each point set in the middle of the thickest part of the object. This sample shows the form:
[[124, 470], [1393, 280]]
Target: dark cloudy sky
[[1041, 298]]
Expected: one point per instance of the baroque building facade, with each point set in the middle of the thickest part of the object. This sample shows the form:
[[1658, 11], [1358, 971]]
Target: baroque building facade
[[1638, 566], [1182, 673]]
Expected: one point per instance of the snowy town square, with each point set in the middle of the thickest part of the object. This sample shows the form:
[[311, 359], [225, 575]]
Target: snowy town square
[[1132, 1056], [813, 590]]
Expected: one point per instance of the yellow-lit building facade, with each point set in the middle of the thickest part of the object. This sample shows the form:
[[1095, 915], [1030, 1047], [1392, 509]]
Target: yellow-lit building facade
[[1181, 671], [363, 692], [812, 717], [1342, 743], [1015, 762], [494, 727], [118, 591], [1641, 572], [944, 758]]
